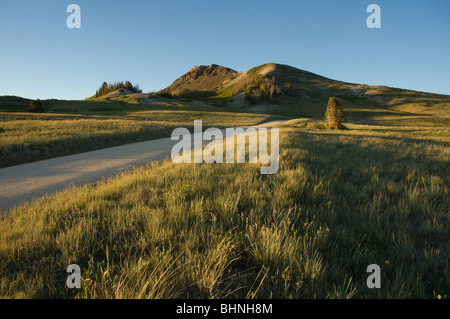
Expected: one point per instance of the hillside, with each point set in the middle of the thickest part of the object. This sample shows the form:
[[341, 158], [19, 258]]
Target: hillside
[[271, 88], [201, 81], [297, 92]]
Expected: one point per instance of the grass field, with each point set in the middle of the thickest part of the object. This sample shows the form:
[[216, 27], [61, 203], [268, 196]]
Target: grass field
[[70, 127], [341, 200]]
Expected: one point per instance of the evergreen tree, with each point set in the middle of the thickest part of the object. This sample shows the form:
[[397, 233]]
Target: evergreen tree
[[129, 86], [334, 114]]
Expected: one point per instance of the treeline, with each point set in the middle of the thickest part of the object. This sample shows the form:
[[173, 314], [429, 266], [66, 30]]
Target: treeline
[[107, 88], [167, 94], [256, 90], [261, 89]]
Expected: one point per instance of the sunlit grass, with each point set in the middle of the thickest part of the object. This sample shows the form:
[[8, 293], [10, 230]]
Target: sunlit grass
[[28, 137], [341, 200]]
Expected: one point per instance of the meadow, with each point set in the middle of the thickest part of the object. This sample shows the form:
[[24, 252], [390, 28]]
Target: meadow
[[373, 194], [70, 127]]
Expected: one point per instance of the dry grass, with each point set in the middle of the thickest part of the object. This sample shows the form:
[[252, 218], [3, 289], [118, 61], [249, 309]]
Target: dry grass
[[28, 137], [340, 201]]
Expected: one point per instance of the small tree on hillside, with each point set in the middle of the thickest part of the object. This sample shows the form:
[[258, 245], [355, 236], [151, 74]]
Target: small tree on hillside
[[334, 114], [35, 106]]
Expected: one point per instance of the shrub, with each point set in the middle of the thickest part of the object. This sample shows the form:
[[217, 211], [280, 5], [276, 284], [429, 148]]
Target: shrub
[[334, 114], [35, 106]]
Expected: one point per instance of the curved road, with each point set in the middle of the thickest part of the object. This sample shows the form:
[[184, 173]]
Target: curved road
[[22, 183]]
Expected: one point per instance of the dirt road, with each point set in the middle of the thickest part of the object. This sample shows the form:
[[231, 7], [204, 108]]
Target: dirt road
[[22, 183]]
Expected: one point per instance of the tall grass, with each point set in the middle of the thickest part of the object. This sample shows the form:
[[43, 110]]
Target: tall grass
[[29, 137], [340, 202]]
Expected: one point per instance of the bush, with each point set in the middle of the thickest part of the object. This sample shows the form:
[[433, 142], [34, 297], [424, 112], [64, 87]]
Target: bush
[[334, 114], [35, 106]]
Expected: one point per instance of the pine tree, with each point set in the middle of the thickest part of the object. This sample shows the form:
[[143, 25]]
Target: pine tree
[[334, 114], [129, 86]]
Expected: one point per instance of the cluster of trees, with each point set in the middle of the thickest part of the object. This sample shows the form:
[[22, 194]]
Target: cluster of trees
[[261, 89], [107, 88], [167, 94], [289, 90]]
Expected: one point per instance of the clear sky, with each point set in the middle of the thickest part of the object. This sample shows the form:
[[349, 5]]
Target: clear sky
[[153, 42]]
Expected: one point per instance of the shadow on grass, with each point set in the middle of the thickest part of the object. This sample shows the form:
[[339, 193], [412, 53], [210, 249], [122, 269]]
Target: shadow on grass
[[385, 201]]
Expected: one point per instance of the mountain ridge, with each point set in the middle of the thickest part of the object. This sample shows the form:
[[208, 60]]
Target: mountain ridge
[[275, 89], [283, 89], [202, 78]]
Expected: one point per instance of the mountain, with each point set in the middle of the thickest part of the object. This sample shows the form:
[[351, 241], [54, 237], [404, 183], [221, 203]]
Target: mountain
[[271, 89], [201, 81], [286, 90]]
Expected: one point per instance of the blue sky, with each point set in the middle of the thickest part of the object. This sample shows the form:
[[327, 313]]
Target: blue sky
[[154, 42]]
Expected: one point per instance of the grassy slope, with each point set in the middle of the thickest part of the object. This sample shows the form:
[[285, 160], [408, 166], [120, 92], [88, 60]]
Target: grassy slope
[[312, 92], [202, 86], [342, 200], [70, 127], [358, 100]]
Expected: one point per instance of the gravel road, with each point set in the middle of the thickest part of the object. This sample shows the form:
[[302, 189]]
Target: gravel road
[[22, 183]]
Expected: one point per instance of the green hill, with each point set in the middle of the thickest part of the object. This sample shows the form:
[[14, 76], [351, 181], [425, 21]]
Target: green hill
[[271, 88], [299, 93], [200, 82]]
